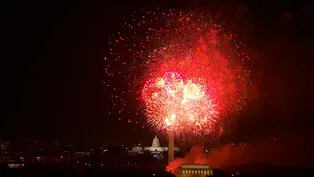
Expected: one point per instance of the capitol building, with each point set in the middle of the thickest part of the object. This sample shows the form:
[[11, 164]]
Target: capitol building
[[154, 149]]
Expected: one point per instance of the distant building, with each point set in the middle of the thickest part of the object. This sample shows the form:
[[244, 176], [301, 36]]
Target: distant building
[[195, 170], [154, 149]]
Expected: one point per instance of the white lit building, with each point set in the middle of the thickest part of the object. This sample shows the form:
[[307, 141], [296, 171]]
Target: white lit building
[[154, 149]]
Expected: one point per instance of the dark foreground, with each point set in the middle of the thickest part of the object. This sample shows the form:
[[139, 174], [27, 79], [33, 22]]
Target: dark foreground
[[55, 170]]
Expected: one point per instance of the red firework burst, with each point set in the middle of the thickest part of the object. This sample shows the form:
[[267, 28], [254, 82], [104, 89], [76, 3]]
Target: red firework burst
[[187, 72], [175, 104]]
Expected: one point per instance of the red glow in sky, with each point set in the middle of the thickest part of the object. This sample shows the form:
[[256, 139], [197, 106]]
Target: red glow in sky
[[186, 71]]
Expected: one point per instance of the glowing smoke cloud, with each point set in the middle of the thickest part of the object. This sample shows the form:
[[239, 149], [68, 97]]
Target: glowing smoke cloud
[[260, 153]]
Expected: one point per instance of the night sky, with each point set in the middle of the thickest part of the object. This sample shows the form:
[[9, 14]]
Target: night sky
[[53, 70]]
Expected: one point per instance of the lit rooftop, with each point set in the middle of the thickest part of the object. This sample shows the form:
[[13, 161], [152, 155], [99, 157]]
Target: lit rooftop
[[195, 166]]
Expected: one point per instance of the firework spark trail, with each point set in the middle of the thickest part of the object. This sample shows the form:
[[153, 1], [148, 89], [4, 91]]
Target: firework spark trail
[[186, 71]]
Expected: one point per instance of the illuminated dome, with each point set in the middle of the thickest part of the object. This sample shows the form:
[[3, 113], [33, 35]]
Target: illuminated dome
[[156, 142]]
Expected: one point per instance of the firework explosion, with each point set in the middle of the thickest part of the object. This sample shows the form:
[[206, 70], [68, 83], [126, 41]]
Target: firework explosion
[[175, 103], [186, 72]]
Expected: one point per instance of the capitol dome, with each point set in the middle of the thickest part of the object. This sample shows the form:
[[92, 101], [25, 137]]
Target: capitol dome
[[156, 142], [154, 149]]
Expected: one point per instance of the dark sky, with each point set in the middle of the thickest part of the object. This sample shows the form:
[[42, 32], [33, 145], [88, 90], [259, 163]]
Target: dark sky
[[53, 67]]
